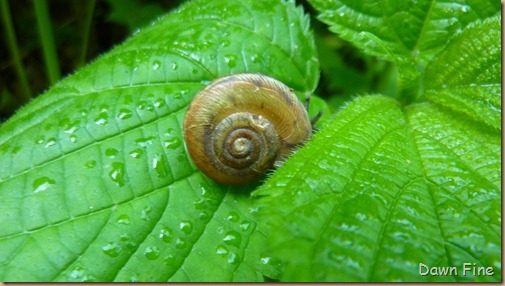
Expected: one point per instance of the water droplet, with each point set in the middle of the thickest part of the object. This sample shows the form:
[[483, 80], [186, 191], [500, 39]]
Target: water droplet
[[180, 243], [360, 216], [265, 260], [203, 216], [159, 102], [42, 184], [152, 252], [245, 225], [79, 274], [117, 174], [123, 219], [156, 65], [174, 66], [169, 260], [221, 250], [186, 227], [143, 142], [144, 215], [255, 58], [124, 113], [160, 165], [112, 249], [231, 60], [102, 119], [232, 216], [111, 152], [165, 235], [137, 153], [69, 129], [40, 140], [76, 273], [90, 164], [50, 142], [233, 238], [73, 138], [172, 143], [233, 258]]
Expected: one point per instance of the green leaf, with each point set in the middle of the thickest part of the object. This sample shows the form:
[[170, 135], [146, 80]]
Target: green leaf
[[402, 30], [95, 182], [380, 190], [466, 76]]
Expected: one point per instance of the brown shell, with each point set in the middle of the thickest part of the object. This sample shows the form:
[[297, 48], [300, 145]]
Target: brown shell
[[248, 102]]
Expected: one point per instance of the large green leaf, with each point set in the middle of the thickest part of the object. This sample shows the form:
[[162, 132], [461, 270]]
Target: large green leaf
[[380, 190], [466, 76], [384, 188], [399, 30], [95, 182]]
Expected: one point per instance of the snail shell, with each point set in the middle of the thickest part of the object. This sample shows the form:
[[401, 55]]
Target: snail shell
[[239, 125]]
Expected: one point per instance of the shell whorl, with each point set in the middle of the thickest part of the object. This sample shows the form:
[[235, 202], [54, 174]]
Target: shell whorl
[[239, 125]]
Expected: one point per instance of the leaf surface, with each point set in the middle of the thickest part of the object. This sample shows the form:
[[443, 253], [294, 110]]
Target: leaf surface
[[402, 30], [380, 190]]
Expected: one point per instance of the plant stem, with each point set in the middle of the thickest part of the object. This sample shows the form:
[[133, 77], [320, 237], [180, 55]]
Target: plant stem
[[26, 93], [47, 41], [90, 8]]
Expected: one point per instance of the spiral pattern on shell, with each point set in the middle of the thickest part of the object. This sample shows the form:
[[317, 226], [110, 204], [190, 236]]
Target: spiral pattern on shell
[[239, 125]]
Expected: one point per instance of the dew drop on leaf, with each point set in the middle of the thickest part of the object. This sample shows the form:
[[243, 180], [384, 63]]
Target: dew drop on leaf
[[233, 238], [143, 142], [102, 119], [233, 258], [233, 216], [156, 65], [160, 166], [169, 260], [152, 252], [42, 184], [203, 216], [117, 174], [173, 143], [160, 102], [144, 215], [40, 140], [165, 235], [90, 164], [180, 243], [137, 153], [231, 60], [50, 142], [245, 225], [112, 249], [111, 152], [186, 227], [79, 274], [221, 250], [73, 138], [123, 219], [125, 113]]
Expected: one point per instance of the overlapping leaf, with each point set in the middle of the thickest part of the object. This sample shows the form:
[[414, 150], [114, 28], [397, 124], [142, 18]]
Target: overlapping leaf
[[383, 189], [95, 182], [402, 30], [466, 76], [379, 191]]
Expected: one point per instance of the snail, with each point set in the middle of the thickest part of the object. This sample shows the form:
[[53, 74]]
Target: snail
[[241, 125]]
